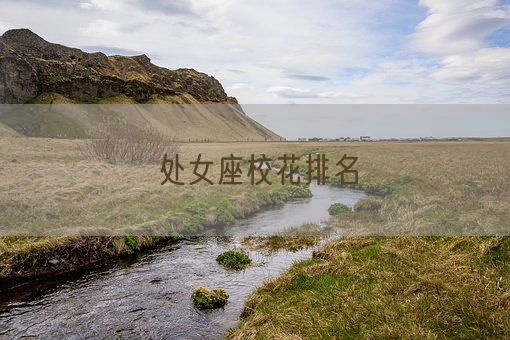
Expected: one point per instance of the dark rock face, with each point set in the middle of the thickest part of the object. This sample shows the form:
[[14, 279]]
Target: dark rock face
[[29, 66]]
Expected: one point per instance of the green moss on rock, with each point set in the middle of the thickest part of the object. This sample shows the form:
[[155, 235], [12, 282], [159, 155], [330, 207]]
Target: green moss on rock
[[204, 298]]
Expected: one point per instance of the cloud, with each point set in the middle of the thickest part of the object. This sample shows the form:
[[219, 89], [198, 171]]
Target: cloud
[[380, 52], [102, 28], [103, 5], [455, 31], [307, 77], [458, 26], [168, 7], [5, 26], [486, 66], [291, 92], [236, 71], [238, 87], [111, 50]]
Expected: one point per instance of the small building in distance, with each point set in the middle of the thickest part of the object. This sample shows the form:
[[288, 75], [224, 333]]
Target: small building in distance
[[365, 139]]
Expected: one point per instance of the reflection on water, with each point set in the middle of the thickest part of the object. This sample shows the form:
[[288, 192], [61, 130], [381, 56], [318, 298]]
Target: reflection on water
[[149, 298]]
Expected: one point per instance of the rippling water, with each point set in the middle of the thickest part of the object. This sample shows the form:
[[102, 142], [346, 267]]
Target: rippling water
[[150, 297]]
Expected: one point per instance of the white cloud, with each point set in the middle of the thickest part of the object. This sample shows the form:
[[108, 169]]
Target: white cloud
[[296, 50], [4, 26], [454, 31], [101, 28], [291, 92], [103, 5], [458, 26]]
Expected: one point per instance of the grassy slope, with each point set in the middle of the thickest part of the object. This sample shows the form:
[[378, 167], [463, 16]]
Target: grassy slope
[[212, 122], [6, 131], [404, 287]]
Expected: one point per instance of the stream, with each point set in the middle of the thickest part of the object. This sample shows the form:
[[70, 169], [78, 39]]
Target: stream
[[149, 296]]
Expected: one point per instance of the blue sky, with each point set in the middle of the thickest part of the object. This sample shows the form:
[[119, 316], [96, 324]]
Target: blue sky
[[296, 51]]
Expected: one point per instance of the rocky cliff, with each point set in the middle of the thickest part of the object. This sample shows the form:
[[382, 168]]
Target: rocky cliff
[[33, 70], [31, 66]]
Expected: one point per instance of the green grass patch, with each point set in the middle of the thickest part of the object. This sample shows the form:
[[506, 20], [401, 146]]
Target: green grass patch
[[234, 259], [338, 208], [132, 244]]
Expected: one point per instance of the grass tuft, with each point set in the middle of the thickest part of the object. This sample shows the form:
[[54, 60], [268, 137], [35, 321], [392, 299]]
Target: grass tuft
[[234, 259]]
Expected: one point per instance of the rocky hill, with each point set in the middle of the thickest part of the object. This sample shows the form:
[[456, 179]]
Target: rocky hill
[[33, 70]]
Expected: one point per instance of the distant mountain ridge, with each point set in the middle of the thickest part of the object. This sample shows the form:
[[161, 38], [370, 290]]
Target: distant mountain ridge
[[33, 70]]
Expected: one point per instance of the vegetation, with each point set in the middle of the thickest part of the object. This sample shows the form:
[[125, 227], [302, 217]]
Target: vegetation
[[383, 288], [118, 142], [74, 195], [204, 298], [278, 198], [292, 239], [338, 208], [43, 121], [6, 131], [22, 258], [185, 123], [280, 242], [415, 286], [234, 259], [358, 286]]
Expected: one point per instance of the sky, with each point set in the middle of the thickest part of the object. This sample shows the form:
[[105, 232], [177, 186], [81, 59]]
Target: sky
[[297, 51]]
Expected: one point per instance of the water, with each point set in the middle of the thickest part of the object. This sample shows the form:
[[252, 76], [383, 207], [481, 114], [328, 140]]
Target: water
[[150, 297]]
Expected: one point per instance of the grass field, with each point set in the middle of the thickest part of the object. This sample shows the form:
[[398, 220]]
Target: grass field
[[407, 287], [404, 287], [49, 188]]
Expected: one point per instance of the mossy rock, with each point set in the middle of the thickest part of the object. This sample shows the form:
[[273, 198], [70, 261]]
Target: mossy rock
[[234, 259], [338, 208], [204, 298]]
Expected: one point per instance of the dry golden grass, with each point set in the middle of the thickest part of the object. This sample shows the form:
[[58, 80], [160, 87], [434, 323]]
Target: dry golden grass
[[48, 188], [47, 185]]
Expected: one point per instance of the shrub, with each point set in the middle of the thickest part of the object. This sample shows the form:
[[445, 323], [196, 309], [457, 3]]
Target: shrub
[[234, 259], [280, 196], [368, 204], [204, 298], [338, 208], [298, 191], [118, 142]]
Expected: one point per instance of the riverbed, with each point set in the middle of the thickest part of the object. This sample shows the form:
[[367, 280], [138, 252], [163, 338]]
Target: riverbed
[[149, 296]]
